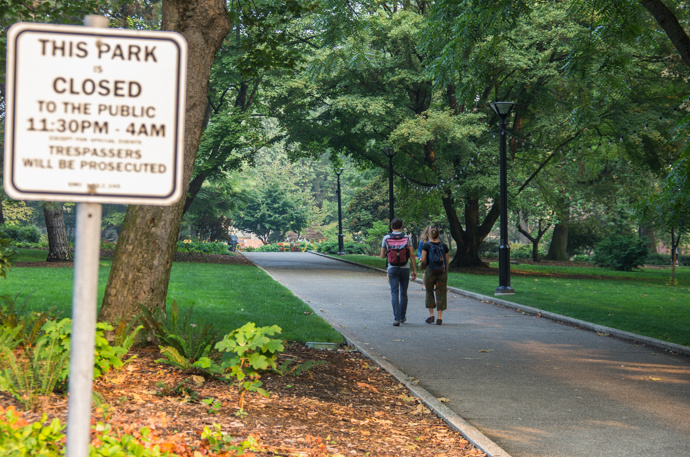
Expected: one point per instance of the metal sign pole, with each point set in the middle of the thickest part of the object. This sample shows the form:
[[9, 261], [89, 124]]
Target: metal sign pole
[[85, 293], [94, 115], [84, 303]]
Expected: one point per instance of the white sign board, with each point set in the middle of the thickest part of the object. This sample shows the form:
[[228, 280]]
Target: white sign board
[[94, 115]]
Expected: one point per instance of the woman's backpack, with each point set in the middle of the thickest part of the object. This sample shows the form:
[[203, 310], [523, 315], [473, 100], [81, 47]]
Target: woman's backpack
[[437, 258]]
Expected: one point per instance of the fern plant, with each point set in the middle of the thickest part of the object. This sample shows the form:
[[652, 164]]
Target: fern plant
[[191, 340], [33, 374], [204, 366], [28, 324]]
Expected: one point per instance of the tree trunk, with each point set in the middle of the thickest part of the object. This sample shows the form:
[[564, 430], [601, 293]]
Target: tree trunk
[[143, 258], [648, 232], [58, 244], [559, 243], [668, 21], [469, 239]]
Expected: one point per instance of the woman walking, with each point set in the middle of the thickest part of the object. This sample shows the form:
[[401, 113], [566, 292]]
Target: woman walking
[[435, 260], [423, 239]]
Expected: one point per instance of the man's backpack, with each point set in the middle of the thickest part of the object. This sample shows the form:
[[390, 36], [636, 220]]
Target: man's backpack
[[398, 249], [437, 258]]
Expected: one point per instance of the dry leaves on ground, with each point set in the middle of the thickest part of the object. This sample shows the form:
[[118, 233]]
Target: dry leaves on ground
[[348, 406]]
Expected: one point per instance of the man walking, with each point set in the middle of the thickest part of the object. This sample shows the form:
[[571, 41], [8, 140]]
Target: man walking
[[397, 249]]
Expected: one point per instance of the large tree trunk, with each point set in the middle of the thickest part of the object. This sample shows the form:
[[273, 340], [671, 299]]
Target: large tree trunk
[[143, 258], [668, 21], [469, 239], [58, 244], [559, 243]]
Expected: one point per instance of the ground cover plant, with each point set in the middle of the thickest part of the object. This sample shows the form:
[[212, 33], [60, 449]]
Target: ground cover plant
[[642, 302]]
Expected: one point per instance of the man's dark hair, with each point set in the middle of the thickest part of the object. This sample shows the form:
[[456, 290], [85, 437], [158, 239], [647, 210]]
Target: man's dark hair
[[396, 224]]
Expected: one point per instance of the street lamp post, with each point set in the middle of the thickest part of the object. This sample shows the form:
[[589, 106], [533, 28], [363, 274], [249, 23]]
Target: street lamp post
[[503, 110], [341, 250], [390, 153]]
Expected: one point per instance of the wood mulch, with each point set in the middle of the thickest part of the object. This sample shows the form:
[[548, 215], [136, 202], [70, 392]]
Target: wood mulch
[[346, 407]]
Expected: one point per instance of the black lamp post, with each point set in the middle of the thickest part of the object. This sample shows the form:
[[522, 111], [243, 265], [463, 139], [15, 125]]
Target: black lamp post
[[503, 110], [340, 218], [390, 153]]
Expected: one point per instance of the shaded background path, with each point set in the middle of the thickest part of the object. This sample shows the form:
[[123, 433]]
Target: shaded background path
[[533, 386]]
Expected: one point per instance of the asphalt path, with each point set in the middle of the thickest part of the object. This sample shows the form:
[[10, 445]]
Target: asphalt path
[[515, 384]]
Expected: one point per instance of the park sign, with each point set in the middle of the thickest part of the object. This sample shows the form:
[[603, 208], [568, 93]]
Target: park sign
[[94, 115]]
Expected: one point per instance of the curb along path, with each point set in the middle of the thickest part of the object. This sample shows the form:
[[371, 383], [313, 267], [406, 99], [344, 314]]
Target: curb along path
[[513, 384]]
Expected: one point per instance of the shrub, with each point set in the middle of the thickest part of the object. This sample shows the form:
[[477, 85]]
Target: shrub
[[523, 251], [7, 253], [201, 247], [106, 356], [620, 252], [22, 233], [19, 438], [267, 248], [108, 248], [582, 258], [331, 248], [655, 258], [248, 351], [489, 249]]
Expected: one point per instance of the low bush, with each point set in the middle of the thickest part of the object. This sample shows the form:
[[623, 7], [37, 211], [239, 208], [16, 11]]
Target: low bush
[[267, 248], [621, 252], [582, 258], [108, 248], [331, 248], [7, 254], [489, 249], [248, 351], [194, 247], [19, 438], [521, 251], [22, 234]]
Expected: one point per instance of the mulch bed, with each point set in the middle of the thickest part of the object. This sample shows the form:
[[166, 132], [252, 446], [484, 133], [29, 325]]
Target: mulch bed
[[347, 406]]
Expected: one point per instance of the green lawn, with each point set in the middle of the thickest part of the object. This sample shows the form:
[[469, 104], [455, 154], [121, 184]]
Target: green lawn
[[226, 295], [640, 302]]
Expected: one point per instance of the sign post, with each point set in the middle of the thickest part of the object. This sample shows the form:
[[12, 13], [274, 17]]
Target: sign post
[[93, 115]]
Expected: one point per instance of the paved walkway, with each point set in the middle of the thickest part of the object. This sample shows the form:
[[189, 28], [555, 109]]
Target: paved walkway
[[514, 384]]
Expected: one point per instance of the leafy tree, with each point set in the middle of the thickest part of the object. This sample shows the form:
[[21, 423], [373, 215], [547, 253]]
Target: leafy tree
[[270, 212], [210, 216], [368, 205], [141, 265], [263, 42], [669, 209]]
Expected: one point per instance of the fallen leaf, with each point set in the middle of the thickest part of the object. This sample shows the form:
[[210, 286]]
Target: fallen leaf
[[443, 400], [367, 386]]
